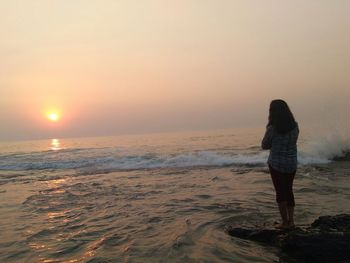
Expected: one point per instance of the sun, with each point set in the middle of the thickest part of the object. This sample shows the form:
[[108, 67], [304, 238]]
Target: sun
[[53, 116]]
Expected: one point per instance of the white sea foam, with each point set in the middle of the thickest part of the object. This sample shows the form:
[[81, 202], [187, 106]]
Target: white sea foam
[[201, 158], [319, 151], [325, 149], [149, 161]]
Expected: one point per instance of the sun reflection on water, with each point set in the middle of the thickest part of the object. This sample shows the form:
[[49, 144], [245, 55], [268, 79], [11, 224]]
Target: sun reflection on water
[[56, 183], [55, 145]]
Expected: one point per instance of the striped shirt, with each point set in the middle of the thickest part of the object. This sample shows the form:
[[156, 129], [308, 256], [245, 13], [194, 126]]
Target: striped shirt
[[283, 149]]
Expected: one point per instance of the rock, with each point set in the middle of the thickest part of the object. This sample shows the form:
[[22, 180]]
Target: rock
[[345, 156], [333, 223], [327, 239]]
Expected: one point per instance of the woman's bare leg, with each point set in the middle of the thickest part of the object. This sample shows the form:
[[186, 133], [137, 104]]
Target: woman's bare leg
[[290, 210], [282, 206]]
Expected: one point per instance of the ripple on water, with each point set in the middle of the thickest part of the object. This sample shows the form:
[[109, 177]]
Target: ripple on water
[[203, 196], [102, 218]]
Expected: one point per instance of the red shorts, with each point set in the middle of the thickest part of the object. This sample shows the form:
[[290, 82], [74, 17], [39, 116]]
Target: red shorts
[[283, 184]]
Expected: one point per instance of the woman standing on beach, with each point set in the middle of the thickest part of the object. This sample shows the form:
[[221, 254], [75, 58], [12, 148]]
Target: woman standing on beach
[[281, 139]]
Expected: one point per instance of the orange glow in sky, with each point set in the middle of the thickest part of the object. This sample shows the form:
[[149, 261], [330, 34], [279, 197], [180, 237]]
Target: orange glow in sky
[[95, 68]]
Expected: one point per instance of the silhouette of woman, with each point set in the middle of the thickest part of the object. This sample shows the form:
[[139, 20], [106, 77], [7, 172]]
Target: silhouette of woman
[[280, 138]]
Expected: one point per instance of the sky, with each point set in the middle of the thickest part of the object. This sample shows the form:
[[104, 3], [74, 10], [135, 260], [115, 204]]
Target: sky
[[124, 67]]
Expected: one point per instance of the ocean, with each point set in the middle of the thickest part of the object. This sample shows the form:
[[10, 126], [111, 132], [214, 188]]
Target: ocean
[[158, 197]]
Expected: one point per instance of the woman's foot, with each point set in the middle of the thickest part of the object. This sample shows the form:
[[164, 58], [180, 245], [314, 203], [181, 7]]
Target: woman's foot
[[291, 225], [282, 226]]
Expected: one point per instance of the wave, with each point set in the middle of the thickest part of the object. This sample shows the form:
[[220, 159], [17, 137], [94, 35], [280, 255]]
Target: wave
[[334, 147], [145, 161], [322, 151], [149, 161]]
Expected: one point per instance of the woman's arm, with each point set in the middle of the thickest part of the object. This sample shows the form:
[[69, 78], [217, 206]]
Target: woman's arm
[[266, 143]]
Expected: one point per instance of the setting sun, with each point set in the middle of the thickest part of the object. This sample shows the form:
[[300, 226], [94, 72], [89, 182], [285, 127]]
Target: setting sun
[[53, 116]]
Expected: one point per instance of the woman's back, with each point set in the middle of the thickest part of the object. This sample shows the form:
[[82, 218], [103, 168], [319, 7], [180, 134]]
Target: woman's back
[[281, 139], [283, 149]]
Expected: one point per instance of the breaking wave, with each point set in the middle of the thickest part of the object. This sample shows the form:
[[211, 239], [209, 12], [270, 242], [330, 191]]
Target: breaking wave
[[334, 147], [321, 151], [133, 162], [150, 161]]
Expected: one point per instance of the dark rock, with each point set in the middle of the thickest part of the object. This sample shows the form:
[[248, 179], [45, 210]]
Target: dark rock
[[333, 223], [260, 235], [345, 156], [327, 239]]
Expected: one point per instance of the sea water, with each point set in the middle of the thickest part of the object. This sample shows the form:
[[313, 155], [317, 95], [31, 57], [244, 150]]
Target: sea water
[[156, 198]]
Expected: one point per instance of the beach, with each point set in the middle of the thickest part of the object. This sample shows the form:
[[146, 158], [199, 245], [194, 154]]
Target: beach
[[132, 131], [153, 198]]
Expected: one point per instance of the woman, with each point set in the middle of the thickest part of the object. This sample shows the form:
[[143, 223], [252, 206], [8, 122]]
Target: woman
[[281, 139]]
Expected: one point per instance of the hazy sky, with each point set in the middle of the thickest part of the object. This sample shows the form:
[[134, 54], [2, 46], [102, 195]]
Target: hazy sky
[[116, 67]]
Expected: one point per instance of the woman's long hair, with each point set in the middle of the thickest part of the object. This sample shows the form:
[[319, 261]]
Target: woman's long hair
[[280, 117]]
